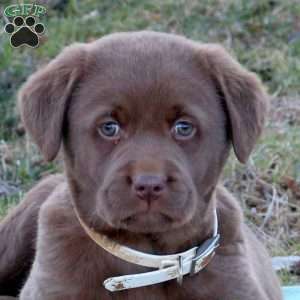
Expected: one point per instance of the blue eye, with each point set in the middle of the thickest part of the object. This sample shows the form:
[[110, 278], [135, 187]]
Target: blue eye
[[183, 129], [109, 129]]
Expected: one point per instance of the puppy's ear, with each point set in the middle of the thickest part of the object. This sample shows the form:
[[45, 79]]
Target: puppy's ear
[[246, 101], [44, 97]]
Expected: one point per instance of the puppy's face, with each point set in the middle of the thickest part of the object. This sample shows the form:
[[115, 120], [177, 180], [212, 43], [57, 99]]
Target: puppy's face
[[146, 124], [147, 138]]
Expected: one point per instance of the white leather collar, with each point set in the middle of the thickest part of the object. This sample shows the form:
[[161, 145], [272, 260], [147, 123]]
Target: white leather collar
[[173, 266]]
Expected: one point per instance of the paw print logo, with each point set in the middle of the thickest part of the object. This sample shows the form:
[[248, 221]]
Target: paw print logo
[[24, 32]]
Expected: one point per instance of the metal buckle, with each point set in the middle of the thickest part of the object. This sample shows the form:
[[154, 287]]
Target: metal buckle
[[175, 263], [205, 253], [180, 270]]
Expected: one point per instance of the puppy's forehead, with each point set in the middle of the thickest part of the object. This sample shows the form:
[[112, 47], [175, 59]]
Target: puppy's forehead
[[141, 45], [147, 72]]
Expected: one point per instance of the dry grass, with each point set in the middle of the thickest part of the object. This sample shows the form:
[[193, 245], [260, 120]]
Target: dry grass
[[268, 187]]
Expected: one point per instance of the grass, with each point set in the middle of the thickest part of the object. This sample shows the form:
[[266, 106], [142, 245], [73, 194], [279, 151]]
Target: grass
[[264, 35]]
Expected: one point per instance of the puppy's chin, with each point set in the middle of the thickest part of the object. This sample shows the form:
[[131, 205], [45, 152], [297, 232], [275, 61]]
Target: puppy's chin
[[150, 222]]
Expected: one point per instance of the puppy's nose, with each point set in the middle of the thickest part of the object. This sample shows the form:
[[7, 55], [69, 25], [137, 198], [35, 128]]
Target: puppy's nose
[[149, 187]]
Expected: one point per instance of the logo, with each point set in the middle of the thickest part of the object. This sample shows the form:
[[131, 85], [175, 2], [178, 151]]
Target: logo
[[24, 28]]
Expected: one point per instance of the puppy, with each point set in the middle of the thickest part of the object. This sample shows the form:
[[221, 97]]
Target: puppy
[[146, 121]]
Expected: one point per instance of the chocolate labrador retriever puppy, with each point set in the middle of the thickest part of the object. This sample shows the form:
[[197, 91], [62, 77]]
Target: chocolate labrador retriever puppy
[[146, 121]]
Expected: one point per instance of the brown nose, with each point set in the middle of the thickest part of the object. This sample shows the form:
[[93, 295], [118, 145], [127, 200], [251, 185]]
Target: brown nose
[[149, 187]]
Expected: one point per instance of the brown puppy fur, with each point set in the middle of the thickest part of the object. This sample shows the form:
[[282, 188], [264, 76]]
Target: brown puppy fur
[[146, 82]]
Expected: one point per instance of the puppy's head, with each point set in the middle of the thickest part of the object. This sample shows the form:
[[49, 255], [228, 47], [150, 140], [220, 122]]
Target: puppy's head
[[146, 121]]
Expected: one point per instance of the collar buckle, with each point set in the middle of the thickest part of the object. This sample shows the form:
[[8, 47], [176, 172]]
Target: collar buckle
[[204, 254]]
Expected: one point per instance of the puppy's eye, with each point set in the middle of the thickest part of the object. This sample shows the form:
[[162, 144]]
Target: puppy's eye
[[183, 129], [109, 129]]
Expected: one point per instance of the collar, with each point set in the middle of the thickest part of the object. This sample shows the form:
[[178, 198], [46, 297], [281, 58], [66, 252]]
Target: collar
[[173, 266]]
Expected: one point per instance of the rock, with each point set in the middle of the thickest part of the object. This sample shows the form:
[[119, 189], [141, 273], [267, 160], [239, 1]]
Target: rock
[[285, 262], [7, 189]]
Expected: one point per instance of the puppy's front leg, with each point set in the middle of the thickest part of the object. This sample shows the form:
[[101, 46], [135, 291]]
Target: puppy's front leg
[[17, 247], [67, 264]]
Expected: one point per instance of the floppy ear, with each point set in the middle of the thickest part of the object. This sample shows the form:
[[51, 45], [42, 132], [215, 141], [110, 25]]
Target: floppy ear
[[43, 98], [246, 101]]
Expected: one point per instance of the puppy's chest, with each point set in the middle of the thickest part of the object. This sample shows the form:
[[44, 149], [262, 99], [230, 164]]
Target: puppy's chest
[[164, 291], [82, 266], [87, 275], [109, 266], [191, 289]]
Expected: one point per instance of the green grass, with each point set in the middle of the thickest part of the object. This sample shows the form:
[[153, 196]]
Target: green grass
[[287, 278], [8, 203], [264, 35]]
